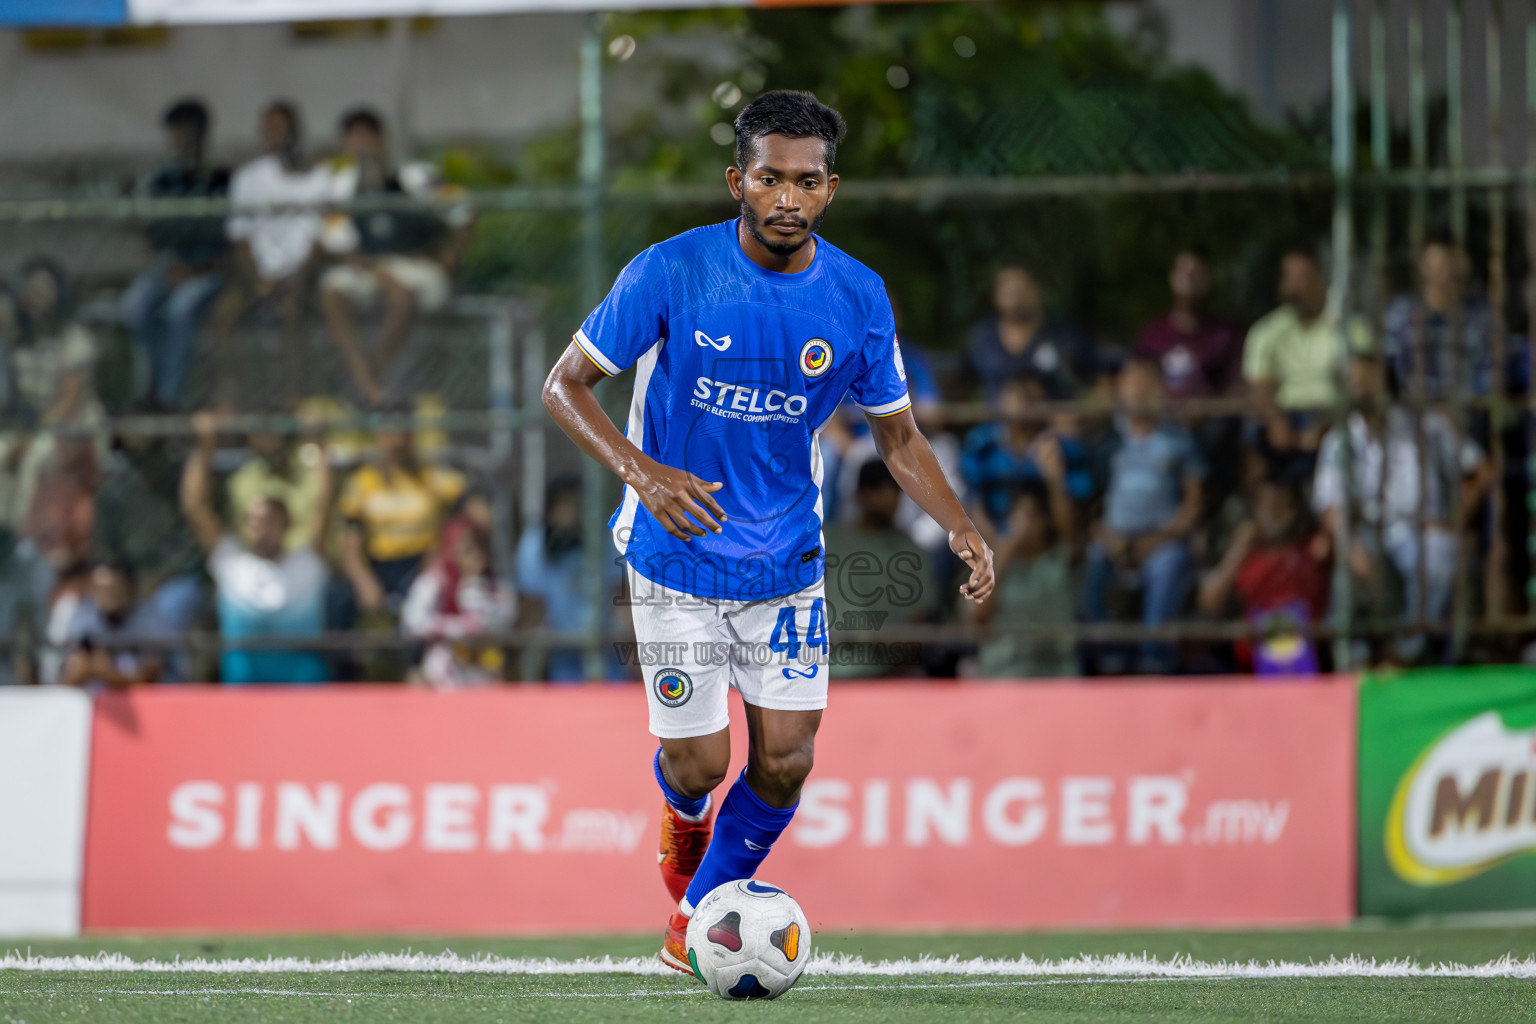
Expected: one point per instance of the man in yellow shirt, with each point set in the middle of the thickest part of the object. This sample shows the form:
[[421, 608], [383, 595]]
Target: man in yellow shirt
[[1293, 360], [393, 509]]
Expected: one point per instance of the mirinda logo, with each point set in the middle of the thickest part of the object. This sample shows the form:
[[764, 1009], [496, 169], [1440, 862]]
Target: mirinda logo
[[1466, 805]]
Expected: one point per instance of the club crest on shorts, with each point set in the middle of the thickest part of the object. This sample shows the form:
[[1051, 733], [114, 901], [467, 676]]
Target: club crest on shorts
[[673, 687], [816, 357]]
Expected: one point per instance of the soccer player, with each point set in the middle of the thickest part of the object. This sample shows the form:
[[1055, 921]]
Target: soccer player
[[744, 336]]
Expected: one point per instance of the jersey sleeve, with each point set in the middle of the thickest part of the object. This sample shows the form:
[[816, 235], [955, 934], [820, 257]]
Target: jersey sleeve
[[631, 319], [881, 389]]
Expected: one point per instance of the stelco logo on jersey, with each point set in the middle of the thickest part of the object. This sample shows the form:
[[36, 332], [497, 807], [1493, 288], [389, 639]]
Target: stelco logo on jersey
[[733, 400], [815, 358]]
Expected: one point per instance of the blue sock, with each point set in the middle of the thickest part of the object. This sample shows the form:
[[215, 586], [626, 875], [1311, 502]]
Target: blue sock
[[688, 807], [745, 830]]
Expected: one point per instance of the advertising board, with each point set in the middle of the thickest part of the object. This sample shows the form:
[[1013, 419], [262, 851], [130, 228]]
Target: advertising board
[[534, 809], [44, 749], [1448, 791]]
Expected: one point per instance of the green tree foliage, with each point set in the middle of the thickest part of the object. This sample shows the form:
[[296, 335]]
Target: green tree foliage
[[936, 91]]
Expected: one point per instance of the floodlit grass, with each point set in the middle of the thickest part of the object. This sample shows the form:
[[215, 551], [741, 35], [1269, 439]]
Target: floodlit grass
[[1077, 990]]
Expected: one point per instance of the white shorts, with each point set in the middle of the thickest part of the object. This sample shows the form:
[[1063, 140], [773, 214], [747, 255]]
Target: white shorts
[[694, 650], [426, 279]]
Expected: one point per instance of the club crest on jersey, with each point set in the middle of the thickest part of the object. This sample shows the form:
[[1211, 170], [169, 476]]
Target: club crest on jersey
[[673, 687], [816, 357]]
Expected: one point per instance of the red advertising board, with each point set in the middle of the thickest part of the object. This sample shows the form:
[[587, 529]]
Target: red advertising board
[[534, 810]]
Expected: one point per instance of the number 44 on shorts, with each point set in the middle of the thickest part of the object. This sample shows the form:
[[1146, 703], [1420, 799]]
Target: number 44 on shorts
[[786, 637]]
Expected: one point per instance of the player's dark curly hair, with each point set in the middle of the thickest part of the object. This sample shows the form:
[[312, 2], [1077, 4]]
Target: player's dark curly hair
[[791, 113]]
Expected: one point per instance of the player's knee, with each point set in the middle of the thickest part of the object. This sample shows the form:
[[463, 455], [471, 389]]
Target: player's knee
[[694, 774], [784, 772]]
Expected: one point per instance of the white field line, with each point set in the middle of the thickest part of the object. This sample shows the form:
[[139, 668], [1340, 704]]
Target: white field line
[[692, 990], [823, 964]]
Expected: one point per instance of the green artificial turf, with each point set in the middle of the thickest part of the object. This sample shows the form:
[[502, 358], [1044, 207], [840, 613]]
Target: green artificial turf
[[35, 997]]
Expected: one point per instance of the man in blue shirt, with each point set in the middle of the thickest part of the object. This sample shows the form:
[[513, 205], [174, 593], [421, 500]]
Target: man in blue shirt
[[744, 336], [1005, 454], [1154, 477]]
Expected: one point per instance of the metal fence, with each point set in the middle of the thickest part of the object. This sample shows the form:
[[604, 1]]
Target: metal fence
[[481, 362]]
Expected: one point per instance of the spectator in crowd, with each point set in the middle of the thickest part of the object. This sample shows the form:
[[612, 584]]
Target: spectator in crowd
[[59, 518], [1444, 331], [877, 576], [54, 362], [26, 584], [458, 597], [288, 469], [1199, 353], [263, 589], [10, 340], [552, 573], [275, 250], [1018, 449], [1035, 587], [165, 305], [134, 524], [388, 258], [1274, 575], [1153, 476], [56, 356], [1292, 360], [1019, 339], [1409, 518], [393, 510], [115, 642]]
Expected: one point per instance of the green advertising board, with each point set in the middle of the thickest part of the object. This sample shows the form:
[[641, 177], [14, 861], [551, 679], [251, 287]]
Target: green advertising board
[[1448, 791]]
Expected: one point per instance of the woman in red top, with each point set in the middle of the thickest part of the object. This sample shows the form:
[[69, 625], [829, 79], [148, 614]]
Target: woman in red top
[[1271, 566]]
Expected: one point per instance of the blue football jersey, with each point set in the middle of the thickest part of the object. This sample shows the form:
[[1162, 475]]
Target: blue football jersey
[[736, 369]]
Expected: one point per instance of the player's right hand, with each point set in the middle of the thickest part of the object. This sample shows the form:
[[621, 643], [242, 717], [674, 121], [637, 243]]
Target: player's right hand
[[680, 501]]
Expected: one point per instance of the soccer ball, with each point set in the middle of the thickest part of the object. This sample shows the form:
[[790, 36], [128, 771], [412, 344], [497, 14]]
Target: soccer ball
[[748, 940]]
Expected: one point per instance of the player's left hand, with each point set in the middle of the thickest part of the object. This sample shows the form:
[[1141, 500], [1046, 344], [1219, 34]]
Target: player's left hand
[[974, 552]]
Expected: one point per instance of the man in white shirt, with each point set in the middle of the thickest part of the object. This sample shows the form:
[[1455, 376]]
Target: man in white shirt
[[277, 244], [274, 248], [1402, 493]]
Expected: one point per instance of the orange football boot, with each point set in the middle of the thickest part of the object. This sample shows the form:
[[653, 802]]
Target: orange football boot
[[682, 847], [674, 945]]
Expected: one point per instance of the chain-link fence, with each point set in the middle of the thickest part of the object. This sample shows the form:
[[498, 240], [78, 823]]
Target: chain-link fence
[[258, 432]]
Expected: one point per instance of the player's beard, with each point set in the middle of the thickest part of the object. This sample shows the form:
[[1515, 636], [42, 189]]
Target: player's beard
[[778, 247]]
